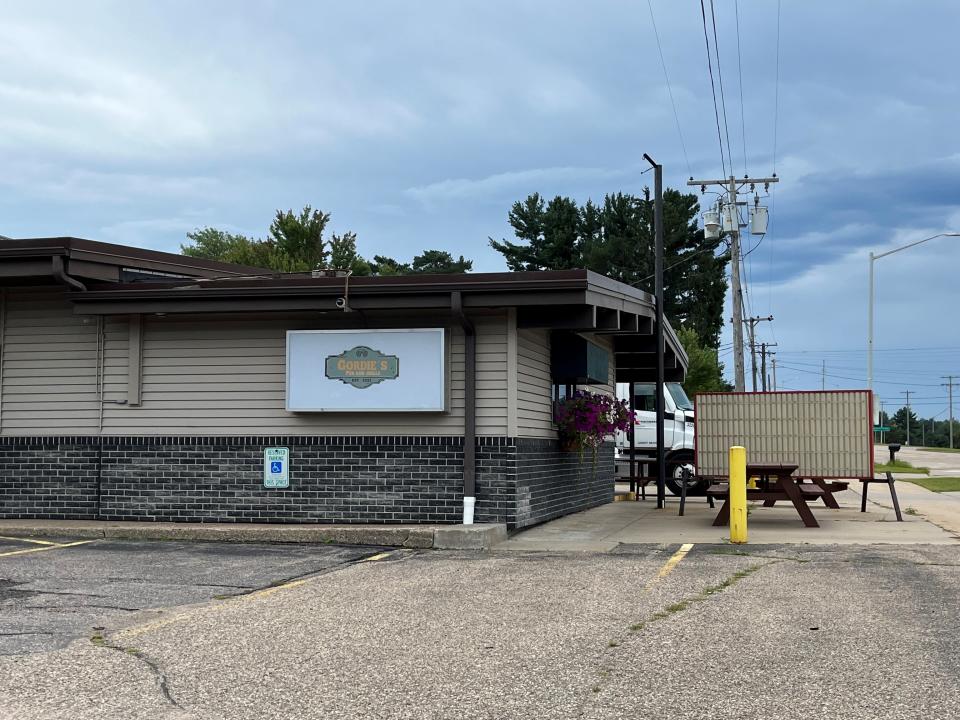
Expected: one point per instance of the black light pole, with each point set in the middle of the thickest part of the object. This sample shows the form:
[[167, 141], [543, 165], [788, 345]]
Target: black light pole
[[658, 289]]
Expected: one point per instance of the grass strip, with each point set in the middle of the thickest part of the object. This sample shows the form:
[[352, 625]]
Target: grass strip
[[901, 466], [704, 594], [936, 484]]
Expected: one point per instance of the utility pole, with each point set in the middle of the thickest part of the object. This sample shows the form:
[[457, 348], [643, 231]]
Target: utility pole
[[751, 325], [773, 360], [950, 384], [907, 393], [823, 375], [730, 185], [763, 364]]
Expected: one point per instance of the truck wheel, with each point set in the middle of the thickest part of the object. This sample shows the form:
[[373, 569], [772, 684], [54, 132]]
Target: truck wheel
[[675, 465]]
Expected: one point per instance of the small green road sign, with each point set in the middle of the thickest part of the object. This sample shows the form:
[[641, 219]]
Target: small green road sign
[[276, 468], [881, 428]]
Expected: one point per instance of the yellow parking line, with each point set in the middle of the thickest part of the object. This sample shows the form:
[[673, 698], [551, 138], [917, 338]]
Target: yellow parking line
[[670, 564], [45, 547], [271, 590], [163, 622], [28, 540], [378, 556]]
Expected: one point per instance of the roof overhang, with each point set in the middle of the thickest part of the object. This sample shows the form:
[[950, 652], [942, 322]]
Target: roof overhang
[[569, 300], [106, 279], [31, 260]]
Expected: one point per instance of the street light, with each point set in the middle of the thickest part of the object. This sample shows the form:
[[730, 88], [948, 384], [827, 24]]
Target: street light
[[874, 258]]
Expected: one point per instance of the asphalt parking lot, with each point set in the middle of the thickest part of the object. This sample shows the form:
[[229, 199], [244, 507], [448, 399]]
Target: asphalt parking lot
[[54, 590], [647, 631]]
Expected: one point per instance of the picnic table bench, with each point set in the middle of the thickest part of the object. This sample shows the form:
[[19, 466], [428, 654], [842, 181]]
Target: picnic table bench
[[778, 483]]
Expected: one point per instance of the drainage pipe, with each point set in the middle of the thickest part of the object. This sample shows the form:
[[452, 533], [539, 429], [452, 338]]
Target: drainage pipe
[[61, 274], [469, 407]]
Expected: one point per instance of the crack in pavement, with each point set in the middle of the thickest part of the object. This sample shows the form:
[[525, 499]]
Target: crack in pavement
[[152, 664], [672, 609]]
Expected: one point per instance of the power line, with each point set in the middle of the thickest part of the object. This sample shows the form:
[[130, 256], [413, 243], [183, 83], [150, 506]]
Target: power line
[[743, 122], [856, 379], [723, 100], [776, 94], [906, 349], [666, 77], [686, 258], [773, 193], [856, 369], [713, 89]]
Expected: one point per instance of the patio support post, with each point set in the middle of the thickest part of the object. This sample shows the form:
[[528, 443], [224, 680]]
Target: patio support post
[[633, 446], [658, 287]]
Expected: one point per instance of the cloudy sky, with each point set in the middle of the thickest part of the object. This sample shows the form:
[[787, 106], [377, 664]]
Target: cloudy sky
[[418, 124]]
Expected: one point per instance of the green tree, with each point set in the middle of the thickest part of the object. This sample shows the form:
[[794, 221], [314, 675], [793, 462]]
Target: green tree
[[439, 261], [898, 427], [344, 256], [383, 265], [616, 239], [214, 244], [296, 244], [300, 237], [705, 372]]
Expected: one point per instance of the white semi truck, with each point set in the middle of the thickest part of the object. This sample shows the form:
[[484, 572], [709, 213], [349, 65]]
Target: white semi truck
[[678, 429]]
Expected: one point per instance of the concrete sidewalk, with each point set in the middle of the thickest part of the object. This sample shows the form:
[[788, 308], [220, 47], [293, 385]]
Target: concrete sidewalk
[[628, 522]]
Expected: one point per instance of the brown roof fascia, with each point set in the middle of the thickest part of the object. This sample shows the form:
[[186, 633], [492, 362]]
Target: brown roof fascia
[[479, 289], [122, 255]]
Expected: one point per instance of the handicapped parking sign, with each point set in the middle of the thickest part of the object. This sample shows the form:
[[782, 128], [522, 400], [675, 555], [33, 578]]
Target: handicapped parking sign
[[276, 466]]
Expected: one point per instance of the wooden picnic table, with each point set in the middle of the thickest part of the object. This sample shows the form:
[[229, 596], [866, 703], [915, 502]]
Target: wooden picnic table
[[777, 482]]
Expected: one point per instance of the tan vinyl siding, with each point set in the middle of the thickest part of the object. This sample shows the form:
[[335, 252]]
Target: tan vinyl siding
[[227, 376], [534, 387], [115, 354], [49, 366]]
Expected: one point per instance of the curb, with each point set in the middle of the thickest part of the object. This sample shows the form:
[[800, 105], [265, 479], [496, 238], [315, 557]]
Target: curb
[[440, 537]]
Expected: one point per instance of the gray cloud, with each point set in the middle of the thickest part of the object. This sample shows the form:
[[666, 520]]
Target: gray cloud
[[417, 125]]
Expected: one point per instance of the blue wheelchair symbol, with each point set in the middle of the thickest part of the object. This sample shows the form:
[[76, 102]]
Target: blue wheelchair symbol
[[276, 466]]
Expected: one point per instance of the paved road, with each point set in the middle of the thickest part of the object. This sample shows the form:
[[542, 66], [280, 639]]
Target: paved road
[[778, 632], [940, 463]]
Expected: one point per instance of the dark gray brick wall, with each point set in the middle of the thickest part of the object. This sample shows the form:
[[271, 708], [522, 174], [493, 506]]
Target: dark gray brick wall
[[52, 478], [332, 480], [393, 479], [551, 483]]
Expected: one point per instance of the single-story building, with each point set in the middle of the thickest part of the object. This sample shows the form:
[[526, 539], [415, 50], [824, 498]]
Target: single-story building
[[141, 385]]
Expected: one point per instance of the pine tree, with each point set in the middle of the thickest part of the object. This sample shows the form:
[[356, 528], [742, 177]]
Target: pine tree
[[616, 239]]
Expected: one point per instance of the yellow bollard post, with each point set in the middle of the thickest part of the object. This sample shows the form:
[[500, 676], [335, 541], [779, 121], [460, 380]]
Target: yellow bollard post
[[738, 494]]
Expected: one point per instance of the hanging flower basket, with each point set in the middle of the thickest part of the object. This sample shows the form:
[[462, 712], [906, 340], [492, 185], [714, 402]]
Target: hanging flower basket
[[586, 419]]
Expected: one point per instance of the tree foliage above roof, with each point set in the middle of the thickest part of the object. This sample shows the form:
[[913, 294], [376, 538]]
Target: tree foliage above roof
[[296, 243], [615, 238]]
